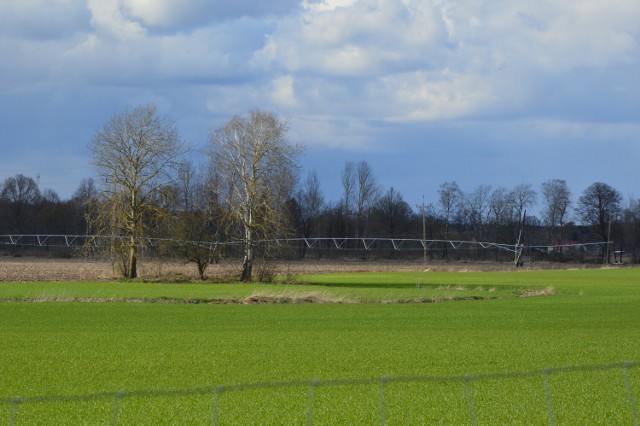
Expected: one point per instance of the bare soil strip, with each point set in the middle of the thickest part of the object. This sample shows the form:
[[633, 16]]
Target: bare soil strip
[[249, 300], [70, 270]]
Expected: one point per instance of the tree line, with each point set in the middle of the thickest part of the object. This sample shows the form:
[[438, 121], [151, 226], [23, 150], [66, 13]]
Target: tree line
[[250, 191]]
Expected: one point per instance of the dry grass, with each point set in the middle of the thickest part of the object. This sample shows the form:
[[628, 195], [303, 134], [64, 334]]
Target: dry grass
[[452, 287], [260, 298], [547, 291]]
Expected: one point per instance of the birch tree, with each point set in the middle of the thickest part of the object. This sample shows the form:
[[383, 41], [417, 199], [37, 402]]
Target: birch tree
[[256, 166]]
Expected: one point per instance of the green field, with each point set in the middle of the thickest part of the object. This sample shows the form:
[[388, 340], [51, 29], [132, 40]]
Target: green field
[[480, 324]]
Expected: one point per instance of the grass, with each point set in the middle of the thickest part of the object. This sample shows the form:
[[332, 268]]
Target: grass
[[62, 348], [399, 287]]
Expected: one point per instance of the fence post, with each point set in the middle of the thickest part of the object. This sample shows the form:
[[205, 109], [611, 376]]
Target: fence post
[[467, 391], [216, 402], [382, 381], [312, 390], [547, 392], [14, 410], [630, 399], [115, 413]]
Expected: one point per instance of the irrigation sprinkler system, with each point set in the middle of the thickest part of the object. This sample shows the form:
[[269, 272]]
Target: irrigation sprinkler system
[[366, 244]]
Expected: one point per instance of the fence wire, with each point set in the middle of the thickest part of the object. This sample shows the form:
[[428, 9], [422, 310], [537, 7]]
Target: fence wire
[[218, 392]]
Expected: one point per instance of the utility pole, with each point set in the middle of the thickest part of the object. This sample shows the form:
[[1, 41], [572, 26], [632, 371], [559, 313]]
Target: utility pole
[[519, 248], [424, 234], [606, 260]]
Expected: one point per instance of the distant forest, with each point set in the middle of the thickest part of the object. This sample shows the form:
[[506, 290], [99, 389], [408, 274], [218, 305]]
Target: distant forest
[[365, 210]]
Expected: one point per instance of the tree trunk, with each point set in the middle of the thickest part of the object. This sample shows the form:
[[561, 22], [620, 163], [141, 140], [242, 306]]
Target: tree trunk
[[133, 227], [202, 266], [247, 269], [247, 264], [133, 261]]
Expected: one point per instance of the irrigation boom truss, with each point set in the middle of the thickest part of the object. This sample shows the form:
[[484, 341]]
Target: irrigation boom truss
[[397, 244]]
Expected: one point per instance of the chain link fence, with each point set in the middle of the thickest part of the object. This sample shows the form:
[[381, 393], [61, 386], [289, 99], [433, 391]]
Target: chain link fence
[[474, 401]]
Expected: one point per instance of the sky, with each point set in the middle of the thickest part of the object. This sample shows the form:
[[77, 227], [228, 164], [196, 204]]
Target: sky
[[426, 91]]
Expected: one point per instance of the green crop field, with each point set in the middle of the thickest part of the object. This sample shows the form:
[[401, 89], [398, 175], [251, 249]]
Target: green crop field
[[60, 339]]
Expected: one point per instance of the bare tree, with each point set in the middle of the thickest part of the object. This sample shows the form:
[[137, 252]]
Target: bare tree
[[257, 166], [501, 207], [631, 228], [449, 198], [476, 208], [348, 195], [597, 206], [86, 190], [53, 215], [523, 196], [49, 196], [135, 153], [310, 203], [393, 212], [196, 209], [367, 193], [20, 194], [188, 187], [85, 199], [557, 198]]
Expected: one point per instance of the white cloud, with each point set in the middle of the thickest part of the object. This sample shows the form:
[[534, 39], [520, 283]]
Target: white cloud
[[180, 15], [429, 60], [549, 35], [452, 80], [421, 96], [283, 92], [324, 5], [123, 53], [107, 19], [330, 131], [168, 13], [391, 60], [355, 38]]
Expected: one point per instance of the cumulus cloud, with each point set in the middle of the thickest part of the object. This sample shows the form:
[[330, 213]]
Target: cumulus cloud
[[212, 55], [186, 15], [349, 74], [355, 38], [107, 19], [116, 50], [283, 91], [430, 60], [390, 60], [423, 96]]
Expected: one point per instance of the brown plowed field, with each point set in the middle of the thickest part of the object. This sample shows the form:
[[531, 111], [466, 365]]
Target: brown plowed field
[[37, 269]]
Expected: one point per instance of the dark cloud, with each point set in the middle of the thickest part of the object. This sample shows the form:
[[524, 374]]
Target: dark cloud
[[42, 20]]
